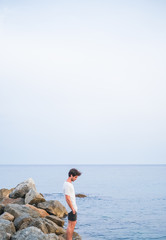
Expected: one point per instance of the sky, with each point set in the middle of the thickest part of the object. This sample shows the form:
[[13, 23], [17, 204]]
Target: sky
[[82, 82]]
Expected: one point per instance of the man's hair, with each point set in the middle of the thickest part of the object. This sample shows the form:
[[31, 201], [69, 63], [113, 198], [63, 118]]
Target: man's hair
[[74, 172]]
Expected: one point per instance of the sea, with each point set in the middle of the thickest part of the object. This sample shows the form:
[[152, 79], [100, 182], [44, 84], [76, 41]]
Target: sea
[[124, 202]]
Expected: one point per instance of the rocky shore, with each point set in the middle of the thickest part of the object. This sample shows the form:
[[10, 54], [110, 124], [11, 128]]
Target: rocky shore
[[26, 215]]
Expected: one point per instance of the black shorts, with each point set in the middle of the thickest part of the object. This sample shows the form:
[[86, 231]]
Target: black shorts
[[72, 217]]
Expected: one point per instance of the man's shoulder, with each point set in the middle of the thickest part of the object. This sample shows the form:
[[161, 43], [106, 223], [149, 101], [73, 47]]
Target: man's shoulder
[[67, 184]]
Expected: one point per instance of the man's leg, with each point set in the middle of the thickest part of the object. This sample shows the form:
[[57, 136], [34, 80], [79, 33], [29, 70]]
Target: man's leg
[[70, 229]]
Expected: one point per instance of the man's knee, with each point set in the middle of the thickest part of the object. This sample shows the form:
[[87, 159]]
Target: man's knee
[[71, 224]]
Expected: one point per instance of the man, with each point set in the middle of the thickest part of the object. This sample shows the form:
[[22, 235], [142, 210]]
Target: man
[[69, 193]]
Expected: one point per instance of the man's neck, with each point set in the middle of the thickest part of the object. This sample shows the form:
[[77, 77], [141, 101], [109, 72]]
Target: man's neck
[[69, 180]]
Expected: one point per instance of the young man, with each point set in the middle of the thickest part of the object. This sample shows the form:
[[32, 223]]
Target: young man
[[69, 193]]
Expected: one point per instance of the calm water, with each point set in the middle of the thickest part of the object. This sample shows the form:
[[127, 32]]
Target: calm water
[[124, 202]]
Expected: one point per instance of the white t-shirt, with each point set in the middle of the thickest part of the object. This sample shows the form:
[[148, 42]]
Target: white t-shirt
[[68, 189]]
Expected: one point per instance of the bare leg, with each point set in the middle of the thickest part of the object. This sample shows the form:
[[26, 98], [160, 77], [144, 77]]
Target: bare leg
[[70, 229]]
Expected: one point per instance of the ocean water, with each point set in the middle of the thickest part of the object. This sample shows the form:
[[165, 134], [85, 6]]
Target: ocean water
[[123, 202]]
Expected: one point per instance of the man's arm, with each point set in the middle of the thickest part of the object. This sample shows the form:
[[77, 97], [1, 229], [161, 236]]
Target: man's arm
[[68, 200]]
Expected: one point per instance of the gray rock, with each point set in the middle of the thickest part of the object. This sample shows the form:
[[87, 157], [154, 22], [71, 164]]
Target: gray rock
[[33, 233], [7, 216], [17, 210], [39, 223], [4, 235], [53, 227], [52, 236], [56, 220], [22, 189], [33, 197], [7, 226], [53, 207], [45, 225], [5, 192], [22, 222]]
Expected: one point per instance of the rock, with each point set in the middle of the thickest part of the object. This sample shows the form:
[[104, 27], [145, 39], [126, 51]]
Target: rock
[[37, 222], [2, 208], [61, 238], [53, 207], [7, 226], [53, 227], [56, 220], [22, 222], [45, 225], [7, 216], [81, 195], [52, 236], [7, 201], [33, 233], [76, 236], [18, 210], [4, 235], [41, 212], [33, 197], [23, 188], [5, 192]]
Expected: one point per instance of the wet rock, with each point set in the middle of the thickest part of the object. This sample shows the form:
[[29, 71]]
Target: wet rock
[[53, 207], [81, 195], [33, 233], [41, 212], [22, 189], [5, 192], [7, 216], [7, 201], [18, 210], [7, 226], [33, 197], [56, 220]]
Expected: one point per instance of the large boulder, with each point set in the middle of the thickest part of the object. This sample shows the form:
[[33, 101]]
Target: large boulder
[[53, 207], [33, 197], [7, 216], [33, 233], [22, 221], [45, 225], [5, 192], [53, 227], [18, 210], [6, 201], [23, 188], [41, 212], [7, 226], [56, 220]]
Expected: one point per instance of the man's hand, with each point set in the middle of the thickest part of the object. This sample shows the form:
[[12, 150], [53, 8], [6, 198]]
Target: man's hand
[[73, 210]]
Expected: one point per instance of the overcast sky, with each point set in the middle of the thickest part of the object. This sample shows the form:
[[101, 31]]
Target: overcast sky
[[83, 82]]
